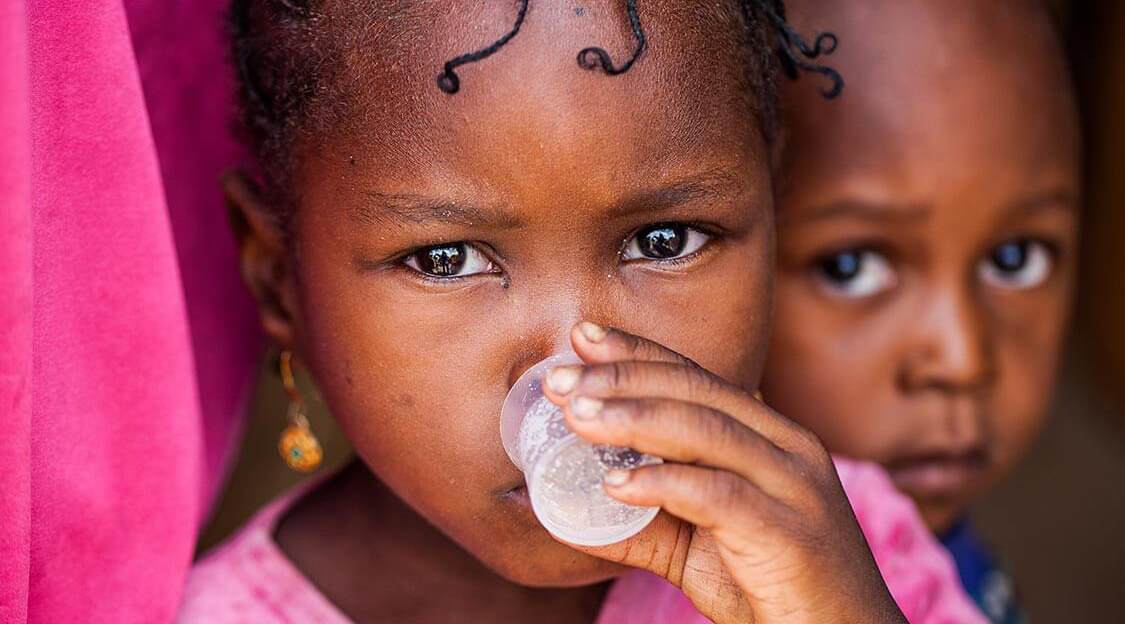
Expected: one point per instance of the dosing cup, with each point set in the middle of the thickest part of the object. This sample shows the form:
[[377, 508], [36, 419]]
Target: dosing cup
[[564, 472]]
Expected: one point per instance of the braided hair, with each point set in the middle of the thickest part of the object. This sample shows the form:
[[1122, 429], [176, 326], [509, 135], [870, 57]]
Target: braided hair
[[289, 67], [793, 52]]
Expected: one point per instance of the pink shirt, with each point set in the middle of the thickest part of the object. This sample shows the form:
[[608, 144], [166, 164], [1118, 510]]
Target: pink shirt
[[249, 580]]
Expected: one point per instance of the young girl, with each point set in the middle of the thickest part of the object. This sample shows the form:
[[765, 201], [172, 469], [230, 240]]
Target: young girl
[[927, 246], [418, 244]]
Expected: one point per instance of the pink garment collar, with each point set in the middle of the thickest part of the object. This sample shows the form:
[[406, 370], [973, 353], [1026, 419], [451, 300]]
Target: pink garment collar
[[250, 576]]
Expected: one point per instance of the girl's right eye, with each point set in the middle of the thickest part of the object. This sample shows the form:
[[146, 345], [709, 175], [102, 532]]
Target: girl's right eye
[[855, 273], [450, 260]]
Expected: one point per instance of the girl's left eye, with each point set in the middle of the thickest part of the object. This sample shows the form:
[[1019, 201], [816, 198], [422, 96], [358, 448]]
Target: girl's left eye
[[1018, 264], [664, 241], [450, 260]]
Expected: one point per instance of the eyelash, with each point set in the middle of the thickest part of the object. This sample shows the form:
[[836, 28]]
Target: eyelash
[[483, 249]]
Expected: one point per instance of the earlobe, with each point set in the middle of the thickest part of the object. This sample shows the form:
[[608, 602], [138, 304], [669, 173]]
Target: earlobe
[[262, 258]]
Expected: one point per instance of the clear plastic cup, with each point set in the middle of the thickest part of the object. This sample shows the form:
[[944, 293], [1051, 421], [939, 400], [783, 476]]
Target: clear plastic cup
[[563, 472]]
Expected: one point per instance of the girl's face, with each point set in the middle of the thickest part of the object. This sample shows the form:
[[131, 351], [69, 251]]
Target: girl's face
[[927, 243], [444, 244]]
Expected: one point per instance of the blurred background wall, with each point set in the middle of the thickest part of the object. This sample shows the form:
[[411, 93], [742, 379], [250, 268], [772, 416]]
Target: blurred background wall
[[1060, 520]]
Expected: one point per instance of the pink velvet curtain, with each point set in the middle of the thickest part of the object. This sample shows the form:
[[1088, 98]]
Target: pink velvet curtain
[[127, 345]]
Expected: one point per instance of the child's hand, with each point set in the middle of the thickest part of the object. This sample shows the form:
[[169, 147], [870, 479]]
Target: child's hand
[[757, 528]]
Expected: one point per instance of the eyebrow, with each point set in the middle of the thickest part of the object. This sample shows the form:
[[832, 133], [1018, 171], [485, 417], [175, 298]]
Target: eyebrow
[[1055, 199], [388, 208], [708, 186], [858, 209], [1058, 199]]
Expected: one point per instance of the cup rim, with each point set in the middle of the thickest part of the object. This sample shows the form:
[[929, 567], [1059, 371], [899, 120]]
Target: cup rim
[[510, 411]]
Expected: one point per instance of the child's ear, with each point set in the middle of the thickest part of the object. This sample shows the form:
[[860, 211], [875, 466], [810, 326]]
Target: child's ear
[[262, 256]]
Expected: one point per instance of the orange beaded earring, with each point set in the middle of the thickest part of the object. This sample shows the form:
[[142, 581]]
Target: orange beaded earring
[[298, 446]]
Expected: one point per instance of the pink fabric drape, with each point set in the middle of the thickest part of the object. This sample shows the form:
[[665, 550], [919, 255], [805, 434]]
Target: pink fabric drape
[[127, 344], [15, 315], [181, 57]]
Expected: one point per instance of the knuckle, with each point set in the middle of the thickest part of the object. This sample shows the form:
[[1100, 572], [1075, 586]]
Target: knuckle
[[808, 445], [819, 456], [813, 462], [631, 343], [725, 491], [690, 363], [624, 417], [680, 479], [718, 428], [816, 513], [617, 375], [645, 413], [699, 383]]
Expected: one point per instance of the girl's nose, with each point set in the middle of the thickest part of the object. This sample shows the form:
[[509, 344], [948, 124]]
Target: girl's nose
[[951, 349], [546, 327]]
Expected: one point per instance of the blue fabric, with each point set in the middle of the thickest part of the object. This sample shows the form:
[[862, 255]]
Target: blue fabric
[[989, 585]]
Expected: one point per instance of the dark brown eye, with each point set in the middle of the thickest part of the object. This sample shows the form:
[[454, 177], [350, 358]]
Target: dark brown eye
[[1012, 256], [1018, 264], [842, 267], [449, 260], [855, 273], [664, 241], [443, 261]]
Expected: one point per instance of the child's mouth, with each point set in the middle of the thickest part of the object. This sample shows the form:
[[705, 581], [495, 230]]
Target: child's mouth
[[519, 496], [939, 476]]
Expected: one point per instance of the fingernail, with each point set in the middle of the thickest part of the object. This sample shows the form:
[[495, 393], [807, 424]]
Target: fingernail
[[585, 408], [593, 333], [563, 379], [617, 478]]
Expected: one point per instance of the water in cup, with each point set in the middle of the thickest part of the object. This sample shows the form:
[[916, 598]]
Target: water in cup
[[563, 472]]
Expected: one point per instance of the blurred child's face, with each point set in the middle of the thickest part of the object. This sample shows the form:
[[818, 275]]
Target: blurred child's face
[[926, 244], [444, 244]]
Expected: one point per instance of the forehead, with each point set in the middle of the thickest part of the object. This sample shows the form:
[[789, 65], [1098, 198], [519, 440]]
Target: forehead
[[937, 91], [529, 108]]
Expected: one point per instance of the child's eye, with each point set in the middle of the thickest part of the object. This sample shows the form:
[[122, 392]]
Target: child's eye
[[1017, 264], [856, 273], [450, 260], [664, 241]]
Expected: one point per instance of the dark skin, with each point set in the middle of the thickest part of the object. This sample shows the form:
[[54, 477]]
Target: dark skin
[[445, 244], [927, 243]]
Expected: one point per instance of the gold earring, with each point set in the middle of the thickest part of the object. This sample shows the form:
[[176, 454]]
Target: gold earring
[[298, 446], [760, 397]]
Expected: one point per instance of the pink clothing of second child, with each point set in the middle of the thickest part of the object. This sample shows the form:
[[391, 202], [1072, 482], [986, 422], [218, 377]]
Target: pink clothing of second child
[[250, 581]]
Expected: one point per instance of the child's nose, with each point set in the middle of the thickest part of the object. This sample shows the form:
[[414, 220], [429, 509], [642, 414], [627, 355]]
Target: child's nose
[[546, 328], [951, 349]]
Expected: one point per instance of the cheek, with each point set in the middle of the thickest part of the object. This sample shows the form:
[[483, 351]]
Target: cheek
[[411, 386], [1018, 411], [1028, 354], [831, 368], [719, 316], [834, 367]]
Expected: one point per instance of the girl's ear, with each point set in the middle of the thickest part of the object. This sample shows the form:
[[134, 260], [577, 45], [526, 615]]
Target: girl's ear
[[262, 256]]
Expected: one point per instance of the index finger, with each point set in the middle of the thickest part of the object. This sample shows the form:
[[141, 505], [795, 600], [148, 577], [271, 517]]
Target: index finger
[[632, 379], [596, 344]]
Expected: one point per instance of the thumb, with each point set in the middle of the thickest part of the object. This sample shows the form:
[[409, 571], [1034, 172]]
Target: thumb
[[688, 558]]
